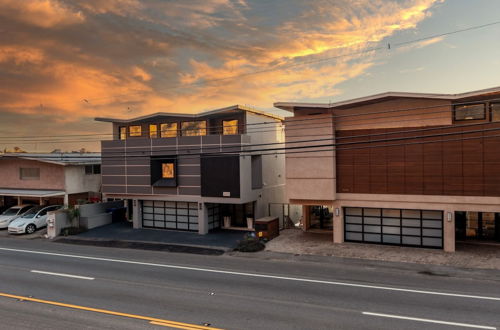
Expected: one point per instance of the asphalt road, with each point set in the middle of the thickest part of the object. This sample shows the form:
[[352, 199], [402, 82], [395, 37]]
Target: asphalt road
[[59, 286]]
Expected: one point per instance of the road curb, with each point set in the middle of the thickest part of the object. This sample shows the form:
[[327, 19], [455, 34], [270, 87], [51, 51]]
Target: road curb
[[142, 245]]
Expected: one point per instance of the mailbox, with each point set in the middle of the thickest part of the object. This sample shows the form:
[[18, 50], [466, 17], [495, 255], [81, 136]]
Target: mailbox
[[267, 227]]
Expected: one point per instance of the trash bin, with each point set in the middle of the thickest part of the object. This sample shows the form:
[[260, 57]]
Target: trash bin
[[117, 214]]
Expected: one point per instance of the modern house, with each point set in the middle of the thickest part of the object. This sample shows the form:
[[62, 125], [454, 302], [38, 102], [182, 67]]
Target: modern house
[[49, 178], [398, 168], [194, 172]]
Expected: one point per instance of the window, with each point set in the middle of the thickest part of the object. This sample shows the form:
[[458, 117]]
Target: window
[[153, 131], [93, 169], [194, 128], [470, 111], [495, 111], [135, 130], [230, 127], [168, 130], [123, 132], [167, 170], [29, 174], [256, 171]]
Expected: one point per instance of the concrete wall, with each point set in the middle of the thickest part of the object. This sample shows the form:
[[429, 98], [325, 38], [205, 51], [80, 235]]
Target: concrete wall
[[76, 181], [310, 175], [95, 215], [273, 165], [51, 175]]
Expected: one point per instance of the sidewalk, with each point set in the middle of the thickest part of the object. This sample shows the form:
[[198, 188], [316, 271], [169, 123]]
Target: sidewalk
[[297, 242]]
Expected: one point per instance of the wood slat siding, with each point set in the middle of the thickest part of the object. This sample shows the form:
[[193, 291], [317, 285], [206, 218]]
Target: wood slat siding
[[453, 168]]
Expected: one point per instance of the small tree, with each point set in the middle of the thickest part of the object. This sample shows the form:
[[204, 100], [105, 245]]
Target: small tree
[[74, 216]]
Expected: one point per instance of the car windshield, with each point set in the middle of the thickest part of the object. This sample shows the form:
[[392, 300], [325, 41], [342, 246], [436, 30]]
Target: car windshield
[[31, 213], [11, 211]]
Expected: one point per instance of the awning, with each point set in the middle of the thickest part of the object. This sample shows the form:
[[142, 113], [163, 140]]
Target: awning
[[31, 192]]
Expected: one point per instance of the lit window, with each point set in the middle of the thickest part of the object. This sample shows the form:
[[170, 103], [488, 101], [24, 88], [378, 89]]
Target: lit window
[[470, 111], [123, 133], [29, 173], [167, 170], [230, 127], [153, 131], [194, 128], [495, 111], [135, 130], [168, 130]]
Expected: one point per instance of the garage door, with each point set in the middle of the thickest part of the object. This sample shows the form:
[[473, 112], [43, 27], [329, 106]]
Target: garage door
[[421, 228], [170, 215]]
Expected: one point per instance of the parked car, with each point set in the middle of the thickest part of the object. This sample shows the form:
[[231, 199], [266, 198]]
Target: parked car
[[13, 212], [32, 220]]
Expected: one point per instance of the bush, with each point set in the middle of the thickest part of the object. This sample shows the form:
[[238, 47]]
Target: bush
[[250, 244]]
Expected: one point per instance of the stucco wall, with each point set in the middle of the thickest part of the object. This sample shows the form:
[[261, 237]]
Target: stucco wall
[[310, 175], [77, 181], [51, 175]]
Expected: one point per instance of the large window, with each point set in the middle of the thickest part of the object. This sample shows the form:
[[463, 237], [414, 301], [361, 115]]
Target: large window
[[29, 173], [168, 130], [123, 132], [135, 130], [153, 131], [470, 111], [194, 128], [495, 111], [230, 127]]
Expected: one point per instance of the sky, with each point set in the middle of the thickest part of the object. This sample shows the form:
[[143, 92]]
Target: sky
[[65, 62]]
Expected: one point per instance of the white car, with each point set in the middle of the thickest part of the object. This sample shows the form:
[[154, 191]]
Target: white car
[[32, 220], [11, 213]]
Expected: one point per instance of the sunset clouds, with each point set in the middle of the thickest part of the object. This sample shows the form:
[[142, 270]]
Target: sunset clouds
[[128, 57]]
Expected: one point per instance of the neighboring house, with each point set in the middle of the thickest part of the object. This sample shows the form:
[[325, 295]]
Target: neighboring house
[[186, 171], [407, 169], [49, 178]]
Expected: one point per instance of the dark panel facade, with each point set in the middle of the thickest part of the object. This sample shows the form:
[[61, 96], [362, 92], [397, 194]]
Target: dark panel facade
[[220, 176], [451, 160]]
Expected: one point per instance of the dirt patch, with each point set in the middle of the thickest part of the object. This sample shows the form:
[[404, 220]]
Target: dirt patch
[[297, 242]]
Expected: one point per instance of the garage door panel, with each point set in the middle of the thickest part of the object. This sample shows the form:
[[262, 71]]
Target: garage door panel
[[422, 228], [170, 215]]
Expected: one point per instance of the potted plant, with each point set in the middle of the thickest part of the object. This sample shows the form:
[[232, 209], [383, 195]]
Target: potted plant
[[249, 221]]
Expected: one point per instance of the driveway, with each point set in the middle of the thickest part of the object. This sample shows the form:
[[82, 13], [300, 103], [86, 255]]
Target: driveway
[[296, 241], [123, 231], [37, 234]]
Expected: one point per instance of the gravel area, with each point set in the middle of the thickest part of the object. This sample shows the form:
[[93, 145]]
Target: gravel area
[[467, 255]]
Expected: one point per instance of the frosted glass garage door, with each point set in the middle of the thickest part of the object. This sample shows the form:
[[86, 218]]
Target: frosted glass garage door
[[170, 215], [423, 228]]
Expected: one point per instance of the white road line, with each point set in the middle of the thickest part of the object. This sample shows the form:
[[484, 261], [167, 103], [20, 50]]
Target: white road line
[[465, 325], [63, 275], [296, 279]]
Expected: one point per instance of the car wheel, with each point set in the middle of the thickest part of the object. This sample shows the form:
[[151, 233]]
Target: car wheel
[[30, 229]]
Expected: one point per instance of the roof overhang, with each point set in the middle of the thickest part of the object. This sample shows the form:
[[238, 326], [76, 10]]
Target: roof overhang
[[31, 192], [191, 115], [64, 159], [291, 106]]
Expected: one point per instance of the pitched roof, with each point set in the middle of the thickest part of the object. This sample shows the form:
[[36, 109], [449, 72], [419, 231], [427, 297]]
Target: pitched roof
[[191, 115]]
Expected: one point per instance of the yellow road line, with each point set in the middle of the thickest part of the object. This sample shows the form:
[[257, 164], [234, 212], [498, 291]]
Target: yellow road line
[[164, 322], [171, 326]]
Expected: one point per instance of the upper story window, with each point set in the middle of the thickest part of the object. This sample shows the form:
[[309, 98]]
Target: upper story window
[[495, 111], [29, 173], [230, 127], [123, 132], [167, 170], [135, 130], [194, 128], [470, 111], [92, 169], [153, 131], [168, 130]]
